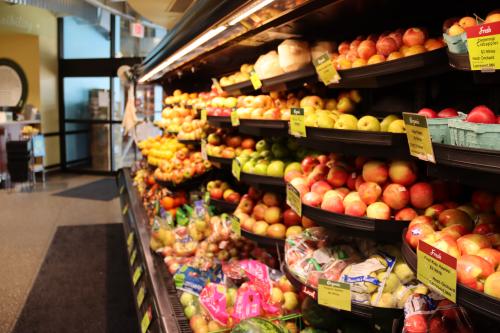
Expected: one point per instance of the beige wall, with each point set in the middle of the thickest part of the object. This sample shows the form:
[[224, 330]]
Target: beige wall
[[18, 21]]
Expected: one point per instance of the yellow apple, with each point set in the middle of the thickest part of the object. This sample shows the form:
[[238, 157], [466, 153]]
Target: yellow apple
[[331, 104], [347, 122], [314, 101], [326, 121], [397, 126], [368, 123], [311, 120], [384, 125]]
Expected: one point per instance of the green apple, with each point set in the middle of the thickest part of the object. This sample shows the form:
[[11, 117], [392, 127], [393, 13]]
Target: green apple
[[292, 144], [302, 153], [248, 167], [293, 166], [311, 120], [346, 122], [391, 283], [186, 299], [254, 155], [291, 301], [260, 168], [243, 159], [276, 168], [369, 123], [326, 121], [265, 154], [397, 126], [384, 125], [230, 102], [345, 105], [261, 145], [403, 272], [190, 311], [279, 150], [231, 296]]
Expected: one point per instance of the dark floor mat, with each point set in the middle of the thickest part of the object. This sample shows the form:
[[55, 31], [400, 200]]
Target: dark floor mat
[[83, 284], [103, 189]]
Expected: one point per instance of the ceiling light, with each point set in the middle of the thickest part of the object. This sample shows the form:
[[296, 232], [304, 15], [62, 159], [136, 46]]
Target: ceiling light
[[247, 12]]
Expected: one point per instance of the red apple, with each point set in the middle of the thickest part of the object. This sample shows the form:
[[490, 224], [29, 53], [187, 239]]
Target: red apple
[[378, 210], [455, 216], [351, 181], [406, 214], [254, 194], [415, 323], [292, 174], [454, 230], [312, 199], [437, 325], [355, 208], [422, 220], [308, 163], [490, 255], [472, 243], [319, 172], [396, 196], [447, 113], [492, 285], [483, 201], [414, 36], [333, 203], [443, 242], [259, 211], [403, 172], [216, 193], [233, 197], [427, 112], [421, 195], [481, 114], [386, 45], [417, 232], [337, 176], [343, 47], [271, 199], [472, 271], [321, 187], [290, 218], [307, 222], [375, 171], [434, 210], [366, 49], [398, 37], [369, 192]]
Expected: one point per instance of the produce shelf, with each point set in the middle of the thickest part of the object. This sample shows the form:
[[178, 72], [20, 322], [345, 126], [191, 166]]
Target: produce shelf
[[263, 182], [239, 88], [395, 71], [223, 206], [290, 80], [260, 127], [487, 180], [263, 240], [387, 230], [469, 158], [357, 309], [185, 185], [216, 121], [160, 294], [223, 162], [466, 297], [366, 143]]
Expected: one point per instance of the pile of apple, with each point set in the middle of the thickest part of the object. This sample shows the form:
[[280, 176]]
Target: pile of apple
[[470, 233], [480, 114], [179, 97], [365, 188], [184, 165], [160, 148], [172, 118], [384, 47], [266, 214], [192, 130], [456, 26], [242, 75], [226, 145], [221, 190]]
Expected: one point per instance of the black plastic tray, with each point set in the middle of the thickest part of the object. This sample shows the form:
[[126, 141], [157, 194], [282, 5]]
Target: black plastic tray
[[263, 182], [466, 297], [388, 230], [217, 121], [290, 80], [223, 206], [240, 87], [261, 127], [357, 309], [185, 185], [459, 61], [470, 158], [395, 71], [263, 240], [224, 162], [486, 180], [364, 143], [190, 142]]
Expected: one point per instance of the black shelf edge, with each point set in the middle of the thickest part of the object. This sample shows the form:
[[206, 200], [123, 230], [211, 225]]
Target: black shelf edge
[[223, 206], [469, 158], [240, 87], [190, 142], [263, 182], [290, 80], [263, 240], [388, 230], [470, 177], [466, 297], [224, 162], [216, 121], [263, 127]]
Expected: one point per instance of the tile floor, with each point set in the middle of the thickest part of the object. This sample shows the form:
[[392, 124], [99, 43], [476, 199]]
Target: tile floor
[[28, 221]]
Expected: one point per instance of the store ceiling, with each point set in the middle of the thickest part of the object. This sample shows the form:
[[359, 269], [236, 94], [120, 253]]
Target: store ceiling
[[163, 12]]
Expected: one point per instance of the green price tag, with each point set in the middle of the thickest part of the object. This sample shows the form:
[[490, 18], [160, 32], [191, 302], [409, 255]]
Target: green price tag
[[146, 320], [483, 46], [137, 275], [419, 137], [122, 188], [437, 269], [293, 199], [297, 122], [204, 154], [235, 120], [334, 294], [235, 225], [140, 296], [125, 209], [132, 257], [236, 168], [326, 69], [254, 78], [203, 114]]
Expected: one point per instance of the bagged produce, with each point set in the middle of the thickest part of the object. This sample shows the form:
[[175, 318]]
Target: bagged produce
[[293, 55], [322, 47], [268, 65]]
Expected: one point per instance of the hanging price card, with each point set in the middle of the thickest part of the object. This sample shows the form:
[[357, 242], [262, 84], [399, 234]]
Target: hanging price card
[[137, 275], [203, 114], [297, 122], [254, 78], [483, 44], [437, 269], [293, 199], [217, 86], [326, 69], [334, 294], [125, 209], [236, 168], [204, 154], [235, 225], [132, 257], [419, 138], [146, 320], [140, 296], [235, 120]]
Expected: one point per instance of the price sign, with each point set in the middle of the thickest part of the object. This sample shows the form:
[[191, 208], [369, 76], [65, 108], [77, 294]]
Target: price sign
[[137, 275], [235, 224], [254, 78], [132, 257], [235, 120], [334, 294], [483, 44], [297, 122], [419, 138], [146, 320], [203, 114], [293, 199], [326, 69], [236, 168], [204, 154], [140, 296], [437, 269], [122, 188], [217, 85], [125, 209]]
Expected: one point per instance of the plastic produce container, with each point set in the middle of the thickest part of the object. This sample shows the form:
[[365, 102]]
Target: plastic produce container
[[439, 129], [472, 135]]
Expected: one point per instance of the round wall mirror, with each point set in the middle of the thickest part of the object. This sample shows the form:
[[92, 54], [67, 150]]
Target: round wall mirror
[[13, 86]]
